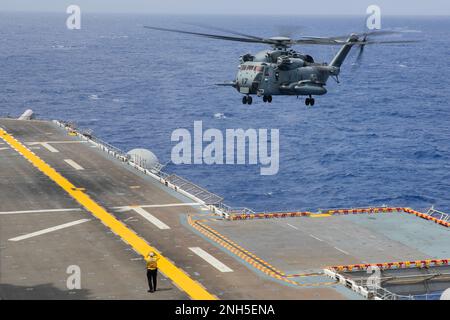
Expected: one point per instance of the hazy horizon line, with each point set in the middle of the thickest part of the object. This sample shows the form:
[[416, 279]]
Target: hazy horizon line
[[222, 14]]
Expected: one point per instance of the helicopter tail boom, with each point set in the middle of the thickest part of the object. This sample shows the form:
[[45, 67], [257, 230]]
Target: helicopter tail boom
[[343, 52]]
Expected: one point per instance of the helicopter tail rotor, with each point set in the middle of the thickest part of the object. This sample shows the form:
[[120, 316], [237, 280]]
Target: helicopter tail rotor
[[366, 41], [361, 51]]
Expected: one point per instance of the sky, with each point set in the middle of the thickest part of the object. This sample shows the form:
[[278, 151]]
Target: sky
[[247, 7]]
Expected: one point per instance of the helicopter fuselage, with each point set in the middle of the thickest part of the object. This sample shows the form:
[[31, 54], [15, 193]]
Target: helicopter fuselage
[[282, 72]]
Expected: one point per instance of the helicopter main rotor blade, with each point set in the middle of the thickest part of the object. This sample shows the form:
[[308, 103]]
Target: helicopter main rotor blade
[[214, 36], [325, 41], [282, 42], [286, 42], [387, 42], [226, 30], [318, 41], [373, 33]]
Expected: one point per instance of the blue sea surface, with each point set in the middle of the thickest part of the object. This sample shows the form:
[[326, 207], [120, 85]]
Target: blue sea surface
[[382, 136]]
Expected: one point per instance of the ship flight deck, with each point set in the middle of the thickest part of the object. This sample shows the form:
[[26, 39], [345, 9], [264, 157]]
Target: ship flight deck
[[64, 201]]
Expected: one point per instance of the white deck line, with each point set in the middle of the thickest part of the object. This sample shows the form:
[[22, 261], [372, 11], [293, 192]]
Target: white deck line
[[49, 147], [66, 141], [344, 252], [40, 211], [158, 178], [313, 236], [210, 259], [73, 164], [48, 230], [126, 208], [4, 148], [290, 225], [149, 217], [171, 205]]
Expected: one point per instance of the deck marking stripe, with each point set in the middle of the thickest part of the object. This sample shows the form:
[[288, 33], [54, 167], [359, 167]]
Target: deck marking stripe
[[49, 147], [48, 230], [250, 258], [126, 208], [290, 225], [170, 205], [194, 289], [4, 148], [313, 236], [210, 259], [40, 211], [344, 252], [151, 218], [66, 141], [73, 164]]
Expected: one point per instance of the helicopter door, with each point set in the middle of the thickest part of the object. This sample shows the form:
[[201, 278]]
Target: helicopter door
[[258, 81], [265, 79]]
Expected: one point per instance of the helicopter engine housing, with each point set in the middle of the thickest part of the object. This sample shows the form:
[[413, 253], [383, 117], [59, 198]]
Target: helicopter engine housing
[[287, 63]]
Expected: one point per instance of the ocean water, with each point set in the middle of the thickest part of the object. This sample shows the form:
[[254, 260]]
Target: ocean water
[[382, 136]]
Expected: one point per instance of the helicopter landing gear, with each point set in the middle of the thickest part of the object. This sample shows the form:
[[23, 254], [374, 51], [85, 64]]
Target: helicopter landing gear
[[310, 101], [267, 99], [247, 100]]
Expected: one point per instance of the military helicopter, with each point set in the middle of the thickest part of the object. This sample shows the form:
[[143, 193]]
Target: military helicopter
[[284, 71]]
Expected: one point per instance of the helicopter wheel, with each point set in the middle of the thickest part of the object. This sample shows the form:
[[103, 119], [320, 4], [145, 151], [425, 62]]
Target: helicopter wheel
[[249, 100], [244, 100], [269, 99], [265, 98], [310, 101]]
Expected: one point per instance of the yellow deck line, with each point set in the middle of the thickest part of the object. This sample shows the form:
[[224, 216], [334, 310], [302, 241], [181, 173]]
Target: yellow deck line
[[249, 257], [194, 289]]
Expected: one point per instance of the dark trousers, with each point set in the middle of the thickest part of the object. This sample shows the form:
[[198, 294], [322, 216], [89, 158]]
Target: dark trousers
[[151, 277]]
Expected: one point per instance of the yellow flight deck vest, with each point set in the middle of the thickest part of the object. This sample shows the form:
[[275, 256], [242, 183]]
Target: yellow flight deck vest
[[152, 262]]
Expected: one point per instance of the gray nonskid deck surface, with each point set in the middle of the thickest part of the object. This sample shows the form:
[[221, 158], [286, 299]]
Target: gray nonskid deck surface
[[36, 267], [302, 245]]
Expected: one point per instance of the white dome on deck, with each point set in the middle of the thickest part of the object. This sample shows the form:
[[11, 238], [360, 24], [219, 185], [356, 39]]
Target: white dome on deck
[[143, 157]]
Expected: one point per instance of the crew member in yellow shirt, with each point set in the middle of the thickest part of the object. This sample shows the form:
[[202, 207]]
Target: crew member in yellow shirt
[[152, 270]]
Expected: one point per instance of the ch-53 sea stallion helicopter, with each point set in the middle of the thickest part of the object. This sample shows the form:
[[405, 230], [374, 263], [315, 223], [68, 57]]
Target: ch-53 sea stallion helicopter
[[284, 71]]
